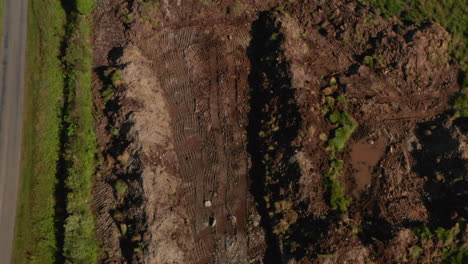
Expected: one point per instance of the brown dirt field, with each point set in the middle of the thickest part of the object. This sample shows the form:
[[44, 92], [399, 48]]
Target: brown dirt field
[[216, 129]]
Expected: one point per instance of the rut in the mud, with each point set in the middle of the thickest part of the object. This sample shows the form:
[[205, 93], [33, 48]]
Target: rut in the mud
[[273, 126]]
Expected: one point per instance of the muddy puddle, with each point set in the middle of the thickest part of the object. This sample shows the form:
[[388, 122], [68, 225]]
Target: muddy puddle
[[364, 156]]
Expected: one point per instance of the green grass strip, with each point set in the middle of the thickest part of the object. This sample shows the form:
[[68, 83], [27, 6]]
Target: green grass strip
[[35, 240], [37, 237]]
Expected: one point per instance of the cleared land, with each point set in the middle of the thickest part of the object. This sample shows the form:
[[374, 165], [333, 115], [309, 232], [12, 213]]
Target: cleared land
[[232, 130]]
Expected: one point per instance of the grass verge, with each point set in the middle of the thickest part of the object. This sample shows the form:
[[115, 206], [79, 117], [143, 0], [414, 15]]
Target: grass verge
[[36, 237], [58, 130]]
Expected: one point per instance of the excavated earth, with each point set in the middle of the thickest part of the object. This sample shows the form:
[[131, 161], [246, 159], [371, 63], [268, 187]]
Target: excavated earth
[[216, 127]]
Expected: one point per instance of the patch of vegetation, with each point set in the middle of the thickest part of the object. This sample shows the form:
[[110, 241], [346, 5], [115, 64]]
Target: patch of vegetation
[[346, 125], [80, 243], [36, 236], [369, 61], [85, 7], [121, 188], [113, 130], [59, 134], [440, 244], [338, 199], [123, 229], [238, 7], [107, 93], [149, 10], [117, 77], [127, 18], [286, 216], [373, 59], [461, 104]]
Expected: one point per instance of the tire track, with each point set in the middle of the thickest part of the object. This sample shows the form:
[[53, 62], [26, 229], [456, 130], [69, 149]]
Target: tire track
[[200, 84]]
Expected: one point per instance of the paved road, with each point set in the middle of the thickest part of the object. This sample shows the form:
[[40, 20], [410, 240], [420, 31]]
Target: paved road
[[12, 55]]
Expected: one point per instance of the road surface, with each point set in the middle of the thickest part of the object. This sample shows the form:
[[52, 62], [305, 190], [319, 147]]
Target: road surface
[[12, 55]]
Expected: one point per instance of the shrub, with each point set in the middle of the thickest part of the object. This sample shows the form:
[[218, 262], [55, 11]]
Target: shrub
[[108, 93], [346, 126], [369, 61], [121, 188], [85, 7], [117, 77], [342, 134]]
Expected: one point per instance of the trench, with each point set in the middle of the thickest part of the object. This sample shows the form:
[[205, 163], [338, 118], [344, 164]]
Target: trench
[[274, 121]]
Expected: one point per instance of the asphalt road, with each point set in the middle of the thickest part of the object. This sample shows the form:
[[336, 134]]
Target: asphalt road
[[12, 55]]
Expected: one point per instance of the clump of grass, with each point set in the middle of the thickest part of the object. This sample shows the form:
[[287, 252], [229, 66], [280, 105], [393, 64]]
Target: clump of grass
[[342, 133], [338, 199], [113, 130], [285, 216], [238, 7], [85, 7], [121, 188], [108, 93], [123, 229], [369, 61], [336, 143], [461, 104], [117, 77], [149, 11]]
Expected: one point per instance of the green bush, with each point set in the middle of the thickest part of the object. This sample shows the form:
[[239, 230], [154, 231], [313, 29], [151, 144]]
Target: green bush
[[369, 61], [108, 93], [80, 243], [85, 7], [342, 134], [121, 188], [346, 126], [117, 77], [338, 200]]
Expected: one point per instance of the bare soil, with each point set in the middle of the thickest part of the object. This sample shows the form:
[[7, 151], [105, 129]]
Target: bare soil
[[216, 127]]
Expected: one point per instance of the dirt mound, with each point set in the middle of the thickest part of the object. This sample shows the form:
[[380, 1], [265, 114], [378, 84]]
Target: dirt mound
[[238, 132]]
